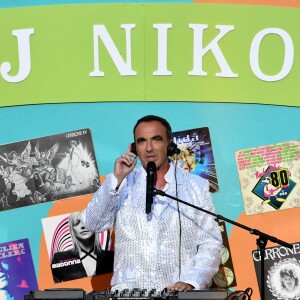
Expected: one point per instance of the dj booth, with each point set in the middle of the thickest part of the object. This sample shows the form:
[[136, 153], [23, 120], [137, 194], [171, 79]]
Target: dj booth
[[135, 294]]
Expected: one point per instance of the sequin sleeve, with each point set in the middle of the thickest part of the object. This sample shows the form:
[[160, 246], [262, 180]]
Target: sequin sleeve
[[99, 214]]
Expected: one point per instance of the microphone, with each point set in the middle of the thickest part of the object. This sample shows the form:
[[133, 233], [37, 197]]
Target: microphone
[[151, 172]]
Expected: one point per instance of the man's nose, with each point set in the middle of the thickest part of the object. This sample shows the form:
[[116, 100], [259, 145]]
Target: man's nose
[[149, 146]]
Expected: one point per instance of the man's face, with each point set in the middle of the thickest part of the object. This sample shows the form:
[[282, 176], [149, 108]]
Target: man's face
[[152, 143]]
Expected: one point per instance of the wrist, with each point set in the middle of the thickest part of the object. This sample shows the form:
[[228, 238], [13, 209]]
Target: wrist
[[117, 181]]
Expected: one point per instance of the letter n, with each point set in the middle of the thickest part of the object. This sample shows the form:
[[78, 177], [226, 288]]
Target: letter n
[[124, 67]]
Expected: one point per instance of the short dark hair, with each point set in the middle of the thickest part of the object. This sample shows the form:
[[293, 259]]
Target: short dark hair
[[150, 118]]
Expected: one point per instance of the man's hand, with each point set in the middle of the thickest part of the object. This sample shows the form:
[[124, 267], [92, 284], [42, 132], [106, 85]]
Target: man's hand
[[125, 164], [179, 286]]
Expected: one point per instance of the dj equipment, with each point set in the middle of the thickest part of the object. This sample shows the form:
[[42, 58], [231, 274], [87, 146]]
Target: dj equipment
[[56, 294], [138, 294], [126, 294]]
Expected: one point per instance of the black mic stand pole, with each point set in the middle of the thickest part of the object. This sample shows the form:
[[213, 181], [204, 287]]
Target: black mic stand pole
[[261, 241]]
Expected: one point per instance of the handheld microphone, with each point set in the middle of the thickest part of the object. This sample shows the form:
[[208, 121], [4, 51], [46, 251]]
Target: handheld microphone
[[151, 171]]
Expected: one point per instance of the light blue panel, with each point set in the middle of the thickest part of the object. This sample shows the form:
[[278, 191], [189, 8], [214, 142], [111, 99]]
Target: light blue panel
[[232, 127], [22, 223], [21, 3]]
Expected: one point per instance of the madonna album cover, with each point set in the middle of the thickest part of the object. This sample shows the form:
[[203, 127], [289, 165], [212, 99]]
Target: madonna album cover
[[74, 251]]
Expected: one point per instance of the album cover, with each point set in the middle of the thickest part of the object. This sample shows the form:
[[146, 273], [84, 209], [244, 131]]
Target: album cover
[[196, 154], [47, 169], [225, 278], [75, 252], [17, 274], [282, 272], [269, 177]]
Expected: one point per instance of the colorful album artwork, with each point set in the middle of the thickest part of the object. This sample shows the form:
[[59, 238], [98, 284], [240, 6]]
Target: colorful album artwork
[[47, 169], [17, 274], [269, 177], [75, 252], [282, 272], [225, 278], [196, 154]]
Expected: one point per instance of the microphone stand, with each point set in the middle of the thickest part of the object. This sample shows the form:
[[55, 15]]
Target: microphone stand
[[261, 241]]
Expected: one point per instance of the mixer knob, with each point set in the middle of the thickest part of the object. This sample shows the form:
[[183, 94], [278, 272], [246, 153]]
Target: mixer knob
[[164, 292], [125, 293], [136, 292], [153, 293], [116, 293], [144, 293]]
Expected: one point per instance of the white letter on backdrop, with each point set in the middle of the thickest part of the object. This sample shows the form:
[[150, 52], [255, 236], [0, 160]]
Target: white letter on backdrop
[[162, 30], [124, 68], [213, 46], [24, 57], [288, 58]]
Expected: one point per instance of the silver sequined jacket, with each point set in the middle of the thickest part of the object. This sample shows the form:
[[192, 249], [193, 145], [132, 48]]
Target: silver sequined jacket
[[167, 247]]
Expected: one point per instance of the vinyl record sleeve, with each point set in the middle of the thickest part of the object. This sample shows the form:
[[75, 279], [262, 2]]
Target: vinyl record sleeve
[[196, 154], [282, 272], [17, 273], [67, 263], [269, 177], [47, 169]]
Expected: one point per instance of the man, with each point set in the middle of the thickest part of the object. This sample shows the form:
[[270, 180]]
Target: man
[[178, 247]]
